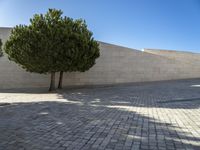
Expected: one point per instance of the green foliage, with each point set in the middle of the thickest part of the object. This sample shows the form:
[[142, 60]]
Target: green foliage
[[52, 43], [1, 51], [80, 51], [36, 46]]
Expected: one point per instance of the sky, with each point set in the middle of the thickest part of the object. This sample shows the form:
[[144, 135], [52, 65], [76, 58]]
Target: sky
[[161, 24]]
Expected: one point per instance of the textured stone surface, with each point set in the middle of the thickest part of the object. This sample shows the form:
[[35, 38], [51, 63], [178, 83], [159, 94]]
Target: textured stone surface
[[157, 115], [115, 65]]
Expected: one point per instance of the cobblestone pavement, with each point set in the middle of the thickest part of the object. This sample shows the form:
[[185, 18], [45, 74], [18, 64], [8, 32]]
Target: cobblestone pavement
[[156, 115]]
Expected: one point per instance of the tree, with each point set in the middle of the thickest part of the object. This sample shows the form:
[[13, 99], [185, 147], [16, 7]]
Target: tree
[[1, 51], [81, 50], [52, 43], [36, 47]]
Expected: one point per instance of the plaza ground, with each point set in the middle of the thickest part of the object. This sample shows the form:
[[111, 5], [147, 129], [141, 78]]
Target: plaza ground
[[156, 115]]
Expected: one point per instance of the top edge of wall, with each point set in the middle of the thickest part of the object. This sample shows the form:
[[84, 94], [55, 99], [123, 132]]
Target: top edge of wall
[[119, 46], [169, 51], [143, 50]]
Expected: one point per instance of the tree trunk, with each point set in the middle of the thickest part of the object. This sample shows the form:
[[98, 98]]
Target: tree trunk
[[52, 84], [60, 80]]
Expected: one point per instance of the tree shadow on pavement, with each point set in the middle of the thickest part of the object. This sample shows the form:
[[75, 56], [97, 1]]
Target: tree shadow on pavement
[[82, 125], [146, 116]]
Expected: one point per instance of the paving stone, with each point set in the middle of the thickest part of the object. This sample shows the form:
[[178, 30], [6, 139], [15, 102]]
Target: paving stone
[[157, 115]]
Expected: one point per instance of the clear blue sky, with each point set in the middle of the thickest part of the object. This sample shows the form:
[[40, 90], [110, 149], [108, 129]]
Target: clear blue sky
[[165, 24]]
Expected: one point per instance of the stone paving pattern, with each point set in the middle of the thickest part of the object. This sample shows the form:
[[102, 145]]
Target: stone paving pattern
[[145, 116]]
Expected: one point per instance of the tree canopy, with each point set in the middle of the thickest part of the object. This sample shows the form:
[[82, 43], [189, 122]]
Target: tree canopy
[[80, 51], [52, 43]]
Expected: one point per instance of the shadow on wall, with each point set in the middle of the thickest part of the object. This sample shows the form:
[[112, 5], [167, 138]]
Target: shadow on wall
[[36, 90], [181, 84]]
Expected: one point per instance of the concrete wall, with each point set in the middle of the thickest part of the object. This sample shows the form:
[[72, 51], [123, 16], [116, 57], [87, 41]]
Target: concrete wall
[[116, 65]]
